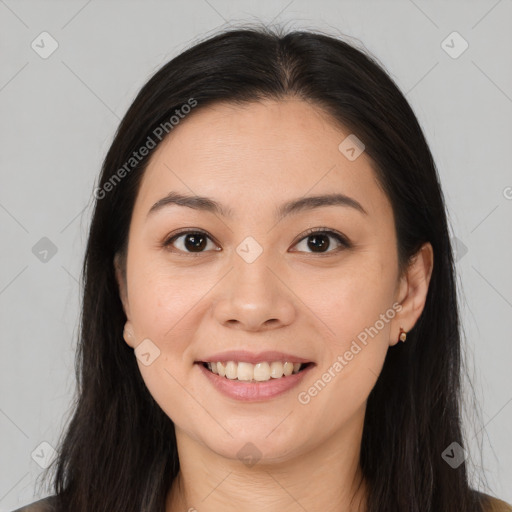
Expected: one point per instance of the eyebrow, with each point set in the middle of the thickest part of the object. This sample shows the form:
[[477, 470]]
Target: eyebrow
[[208, 204]]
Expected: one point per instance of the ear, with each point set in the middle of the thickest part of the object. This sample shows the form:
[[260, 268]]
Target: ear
[[413, 289], [121, 283], [128, 333]]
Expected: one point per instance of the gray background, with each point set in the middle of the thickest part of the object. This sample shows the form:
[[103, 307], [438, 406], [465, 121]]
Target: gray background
[[58, 117]]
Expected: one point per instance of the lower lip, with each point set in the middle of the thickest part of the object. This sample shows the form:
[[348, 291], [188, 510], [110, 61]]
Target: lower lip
[[254, 391]]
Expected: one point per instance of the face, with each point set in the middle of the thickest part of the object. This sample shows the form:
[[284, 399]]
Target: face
[[201, 281]]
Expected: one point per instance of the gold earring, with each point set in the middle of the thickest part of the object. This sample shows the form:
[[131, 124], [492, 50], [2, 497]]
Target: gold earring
[[403, 335]]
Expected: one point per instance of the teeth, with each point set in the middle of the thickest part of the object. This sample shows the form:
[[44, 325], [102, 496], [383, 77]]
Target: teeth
[[259, 372], [262, 371], [231, 367], [245, 371]]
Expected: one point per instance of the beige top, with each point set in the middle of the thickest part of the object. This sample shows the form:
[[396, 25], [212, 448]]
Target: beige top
[[45, 505], [499, 505]]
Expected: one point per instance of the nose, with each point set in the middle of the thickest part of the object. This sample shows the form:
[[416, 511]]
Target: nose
[[254, 297]]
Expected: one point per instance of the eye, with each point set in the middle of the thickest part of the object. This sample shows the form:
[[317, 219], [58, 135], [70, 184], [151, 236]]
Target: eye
[[193, 241], [319, 240]]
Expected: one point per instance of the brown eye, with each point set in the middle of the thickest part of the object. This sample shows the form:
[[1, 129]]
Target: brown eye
[[189, 241], [318, 241]]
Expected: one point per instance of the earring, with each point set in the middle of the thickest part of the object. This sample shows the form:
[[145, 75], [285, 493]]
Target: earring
[[403, 335]]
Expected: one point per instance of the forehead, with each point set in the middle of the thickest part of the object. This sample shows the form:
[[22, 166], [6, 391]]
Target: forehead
[[246, 155]]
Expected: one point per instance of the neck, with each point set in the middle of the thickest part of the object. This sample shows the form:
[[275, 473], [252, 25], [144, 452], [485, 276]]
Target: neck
[[327, 478]]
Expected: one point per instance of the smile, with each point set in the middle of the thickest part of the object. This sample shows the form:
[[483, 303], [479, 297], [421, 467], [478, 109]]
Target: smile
[[249, 389]]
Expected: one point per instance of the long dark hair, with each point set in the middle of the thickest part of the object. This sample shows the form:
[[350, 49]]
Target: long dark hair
[[119, 450]]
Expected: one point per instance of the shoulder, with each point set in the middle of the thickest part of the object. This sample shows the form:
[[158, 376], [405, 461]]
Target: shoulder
[[496, 505], [44, 505]]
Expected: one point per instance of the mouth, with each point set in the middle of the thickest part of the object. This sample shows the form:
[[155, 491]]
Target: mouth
[[259, 372], [260, 382]]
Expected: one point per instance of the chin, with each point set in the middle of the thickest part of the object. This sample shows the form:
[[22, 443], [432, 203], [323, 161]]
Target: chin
[[254, 446]]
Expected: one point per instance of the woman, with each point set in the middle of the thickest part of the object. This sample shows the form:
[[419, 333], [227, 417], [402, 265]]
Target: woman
[[269, 315]]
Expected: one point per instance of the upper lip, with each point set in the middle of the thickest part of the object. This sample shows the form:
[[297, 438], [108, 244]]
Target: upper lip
[[250, 357]]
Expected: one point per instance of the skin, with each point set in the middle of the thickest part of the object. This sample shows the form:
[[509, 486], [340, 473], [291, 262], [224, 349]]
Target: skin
[[251, 159]]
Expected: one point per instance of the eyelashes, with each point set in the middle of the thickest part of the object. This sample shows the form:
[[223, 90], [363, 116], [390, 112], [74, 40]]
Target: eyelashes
[[202, 235], [198, 240], [325, 233]]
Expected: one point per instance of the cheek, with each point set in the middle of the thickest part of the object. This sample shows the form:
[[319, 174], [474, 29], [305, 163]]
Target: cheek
[[355, 308], [166, 309], [351, 300], [162, 309], [160, 301], [352, 357]]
